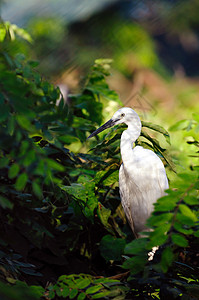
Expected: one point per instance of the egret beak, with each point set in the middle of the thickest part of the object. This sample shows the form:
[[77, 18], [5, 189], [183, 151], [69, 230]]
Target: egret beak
[[108, 124]]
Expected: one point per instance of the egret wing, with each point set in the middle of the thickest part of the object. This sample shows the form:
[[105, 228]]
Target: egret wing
[[142, 181]]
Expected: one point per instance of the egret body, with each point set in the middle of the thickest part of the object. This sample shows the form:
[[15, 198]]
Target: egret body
[[142, 176]]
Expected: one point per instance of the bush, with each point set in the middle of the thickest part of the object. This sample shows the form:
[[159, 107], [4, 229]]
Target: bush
[[60, 210]]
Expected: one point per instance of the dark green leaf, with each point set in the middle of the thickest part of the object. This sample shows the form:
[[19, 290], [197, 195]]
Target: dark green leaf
[[73, 293], [112, 248], [65, 291], [5, 203], [179, 240], [4, 162], [166, 259], [51, 294], [13, 171], [136, 247], [135, 264], [36, 189], [81, 296], [21, 181], [11, 125]]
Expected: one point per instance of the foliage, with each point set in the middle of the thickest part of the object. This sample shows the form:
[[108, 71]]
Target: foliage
[[176, 231], [20, 291], [85, 286], [60, 207]]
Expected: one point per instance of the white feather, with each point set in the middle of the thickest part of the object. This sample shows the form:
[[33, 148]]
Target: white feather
[[142, 177]]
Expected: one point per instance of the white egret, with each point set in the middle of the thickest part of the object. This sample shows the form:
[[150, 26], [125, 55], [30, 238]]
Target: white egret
[[142, 176]]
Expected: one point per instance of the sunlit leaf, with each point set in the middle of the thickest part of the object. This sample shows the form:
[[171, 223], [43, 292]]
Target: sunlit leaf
[[93, 289], [182, 124], [2, 32], [103, 214], [82, 283], [186, 211], [157, 128]]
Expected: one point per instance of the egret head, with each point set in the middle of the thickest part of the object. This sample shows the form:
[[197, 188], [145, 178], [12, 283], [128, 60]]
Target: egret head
[[124, 115]]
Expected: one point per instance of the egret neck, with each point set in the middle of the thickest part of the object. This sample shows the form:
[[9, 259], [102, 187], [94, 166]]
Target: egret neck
[[129, 137]]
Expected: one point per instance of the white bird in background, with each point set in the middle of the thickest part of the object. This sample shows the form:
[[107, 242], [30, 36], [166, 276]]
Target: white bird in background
[[142, 176]]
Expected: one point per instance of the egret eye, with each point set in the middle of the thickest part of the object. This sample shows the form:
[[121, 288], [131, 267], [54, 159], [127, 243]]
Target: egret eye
[[122, 115]]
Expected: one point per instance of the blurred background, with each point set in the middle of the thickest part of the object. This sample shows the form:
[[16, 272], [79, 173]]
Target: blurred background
[[154, 46]]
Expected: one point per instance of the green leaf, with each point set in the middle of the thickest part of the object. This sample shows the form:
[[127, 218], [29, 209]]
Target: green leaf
[[184, 220], [11, 125], [24, 122], [186, 211], [4, 111], [58, 292], [2, 32], [65, 291], [104, 214], [182, 124], [190, 200], [157, 128], [107, 178], [51, 294], [81, 296], [166, 203], [82, 283], [179, 240], [136, 247], [21, 181], [29, 158], [37, 189], [112, 248], [103, 61], [93, 289], [158, 236], [156, 220], [135, 264], [5, 203], [181, 228], [68, 139], [166, 259], [101, 295], [73, 293], [4, 162], [55, 165], [196, 233], [13, 171], [21, 32], [196, 117]]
